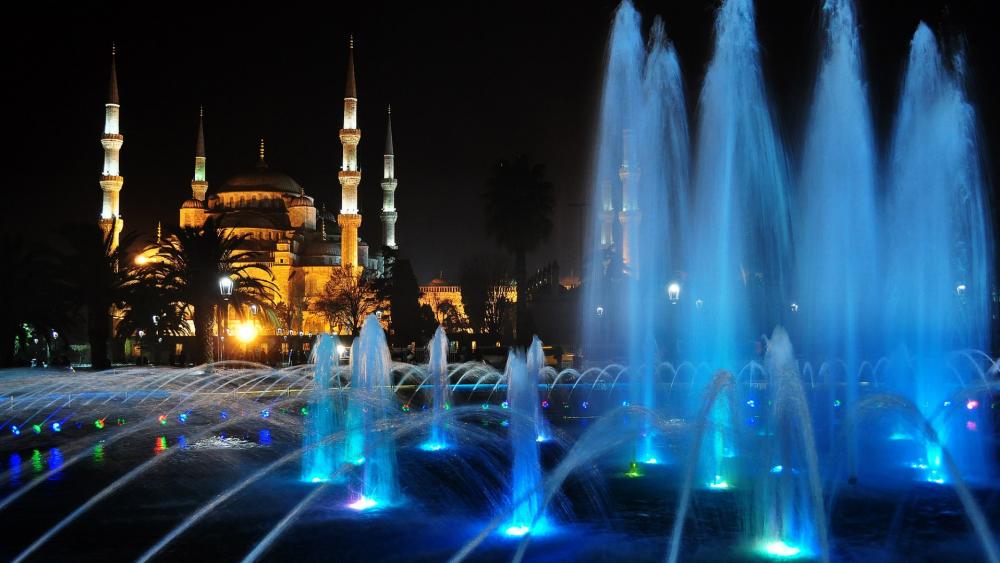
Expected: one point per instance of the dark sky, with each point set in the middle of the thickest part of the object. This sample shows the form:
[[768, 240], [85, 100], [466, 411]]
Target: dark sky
[[469, 82]]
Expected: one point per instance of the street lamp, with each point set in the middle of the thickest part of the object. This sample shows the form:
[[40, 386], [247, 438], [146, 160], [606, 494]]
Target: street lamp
[[225, 290], [674, 292], [795, 307]]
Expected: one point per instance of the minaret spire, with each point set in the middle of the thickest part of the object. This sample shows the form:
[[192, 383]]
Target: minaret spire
[[349, 175], [389, 214], [199, 185], [111, 180]]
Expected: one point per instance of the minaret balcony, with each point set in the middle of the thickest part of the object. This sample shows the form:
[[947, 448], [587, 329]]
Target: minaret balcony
[[349, 177], [350, 136], [110, 180], [112, 137]]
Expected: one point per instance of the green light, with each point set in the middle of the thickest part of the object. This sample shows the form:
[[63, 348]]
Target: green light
[[98, 453], [633, 470], [99, 423], [36, 428], [304, 411], [36, 461], [780, 550]]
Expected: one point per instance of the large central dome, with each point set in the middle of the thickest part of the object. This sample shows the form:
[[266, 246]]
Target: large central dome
[[260, 178]]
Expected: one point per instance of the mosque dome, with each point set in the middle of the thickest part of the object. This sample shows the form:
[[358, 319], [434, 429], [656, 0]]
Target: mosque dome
[[260, 178], [192, 204], [301, 200]]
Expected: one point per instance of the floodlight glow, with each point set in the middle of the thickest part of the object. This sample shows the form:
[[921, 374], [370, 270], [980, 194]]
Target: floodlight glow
[[780, 549], [517, 531], [363, 503], [246, 332]]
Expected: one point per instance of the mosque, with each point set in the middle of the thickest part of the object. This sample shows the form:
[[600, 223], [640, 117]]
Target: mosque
[[298, 242]]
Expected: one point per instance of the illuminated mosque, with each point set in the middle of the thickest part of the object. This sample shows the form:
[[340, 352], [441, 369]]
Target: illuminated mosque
[[298, 242]]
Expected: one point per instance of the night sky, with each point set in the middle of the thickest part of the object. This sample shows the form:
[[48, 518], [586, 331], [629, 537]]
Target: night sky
[[468, 82]]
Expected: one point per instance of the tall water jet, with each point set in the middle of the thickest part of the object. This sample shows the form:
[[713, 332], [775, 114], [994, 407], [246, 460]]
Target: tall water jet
[[788, 517], [526, 472], [437, 372], [321, 458], [939, 245], [740, 231], [836, 238], [535, 362], [373, 400]]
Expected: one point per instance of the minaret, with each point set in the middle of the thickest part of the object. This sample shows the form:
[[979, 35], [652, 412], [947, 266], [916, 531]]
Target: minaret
[[111, 179], [629, 215], [389, 188], [199, 186], [349, 175]]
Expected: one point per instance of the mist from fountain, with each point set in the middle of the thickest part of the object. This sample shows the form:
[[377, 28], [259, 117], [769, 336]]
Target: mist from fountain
[[526, 471], [327, 410], [437, 367], [534, 364]]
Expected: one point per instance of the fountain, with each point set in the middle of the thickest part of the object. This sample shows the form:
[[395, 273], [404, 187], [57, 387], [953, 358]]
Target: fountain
[[437, 366], [871, 439]]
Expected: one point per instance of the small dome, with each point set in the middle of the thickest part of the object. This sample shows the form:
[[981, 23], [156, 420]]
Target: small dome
[[301, 201], [192, 204]]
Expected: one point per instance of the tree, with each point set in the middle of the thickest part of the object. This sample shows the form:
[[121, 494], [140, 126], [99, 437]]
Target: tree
[[348, 298], [496, 311], [191, 263], [478, 279], [32, 296], [98, 276], [519, 202], [399, 288], [451, 318], [151, 311]]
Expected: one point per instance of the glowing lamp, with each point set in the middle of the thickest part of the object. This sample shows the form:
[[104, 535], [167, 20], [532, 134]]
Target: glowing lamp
[[794, 307], [99, 423], [141, 260], [246, 332], [225, 286], [600, 311], [960, 289], [674, 292]]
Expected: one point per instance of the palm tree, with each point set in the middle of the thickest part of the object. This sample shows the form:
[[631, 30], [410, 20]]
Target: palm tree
[[32, 295], [189, 264], [519, 205], [99, 276]]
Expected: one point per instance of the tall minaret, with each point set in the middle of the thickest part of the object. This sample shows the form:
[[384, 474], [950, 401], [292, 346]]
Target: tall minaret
[[349, 175], [199, 186], [111, 179], [629, 215], [389, 188]]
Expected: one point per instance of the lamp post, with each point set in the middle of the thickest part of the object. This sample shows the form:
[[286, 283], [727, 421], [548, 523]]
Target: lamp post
[[225, 290], [674, 292]]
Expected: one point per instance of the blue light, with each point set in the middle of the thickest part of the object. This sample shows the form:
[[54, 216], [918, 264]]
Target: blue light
[[432, 446], [751, 403], [223, 415], [777, 469], [15, 430], [183, 417], [505, 405], [264, 437], [266, 413], [56, 427]]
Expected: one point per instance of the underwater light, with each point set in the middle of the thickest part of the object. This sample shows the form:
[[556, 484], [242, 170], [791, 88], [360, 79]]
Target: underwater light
[[37, 428], [486, 406], [363, 503], [304, 411], [432, 446], [56, 427], [15, 430], [633, 470], [780, 549], [183, 417], [505, 405], [651, 461], [163, 419], [540, 438], [972, 404], [718, 484], [266, 413], [99, 423], [517, 531], [970, 425], [777, 469], [406, 407], [545, 403]]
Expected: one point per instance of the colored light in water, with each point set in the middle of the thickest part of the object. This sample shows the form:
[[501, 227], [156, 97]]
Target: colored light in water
[[121, 421], [633, 470], [780, 549], [972, 404], [161, 444], [182, 441], [970, 426], [36, 461], [99, 423], [15, 430], [56, 427], [163, 419], [223, 415], [363, 503], [486, 406], [183, 417], [55, 462], [837, 403], [585, 405], [517, 531], [15, 468], [98, 454], [304, 411], [777, 469], [651, 461], [896, 436], [545, 403], [751, 403], [264, 437], [432, 446], [505, 423], [505, 405], [626, 404], [406, 407], [36, 428], [719, 483], [266, 413]]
